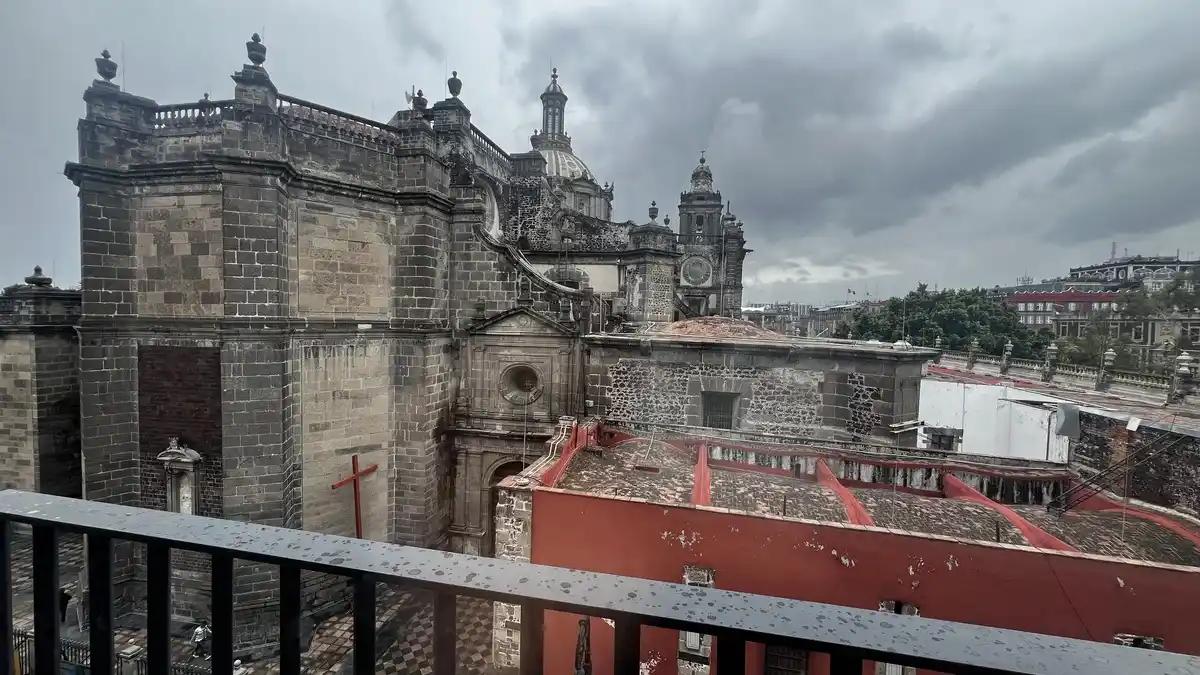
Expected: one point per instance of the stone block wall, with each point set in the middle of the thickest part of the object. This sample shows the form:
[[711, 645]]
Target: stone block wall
[[344, 259], [779, 392], [56, 372], [1167, 472], [772, 400], [254, 245], [514, 541], [253, 374], [179, 394], [422, 474], [18, 412], [345, 400], [178, 249], [109, 272], [422, 267]]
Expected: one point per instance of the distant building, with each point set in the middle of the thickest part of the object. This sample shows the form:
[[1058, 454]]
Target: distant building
[[1042, 309], [1133, 268], [1047, 285], [832, 320], [788, 318]]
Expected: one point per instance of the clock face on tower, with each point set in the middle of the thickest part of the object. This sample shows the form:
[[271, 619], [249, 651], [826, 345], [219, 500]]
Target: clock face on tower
[[696, 271]]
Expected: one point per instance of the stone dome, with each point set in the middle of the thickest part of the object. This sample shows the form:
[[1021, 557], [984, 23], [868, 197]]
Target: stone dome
[[562, 163]]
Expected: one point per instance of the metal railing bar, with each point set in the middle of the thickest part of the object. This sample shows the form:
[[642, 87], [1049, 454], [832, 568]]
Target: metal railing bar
[[222, 612], [928, 643], [364, 624], [532, 616], [731, 654], [289, 619], [46, 651], [445, 616], [158, 607], [627, 646], [100, 603], [6, 626], [846, 663]]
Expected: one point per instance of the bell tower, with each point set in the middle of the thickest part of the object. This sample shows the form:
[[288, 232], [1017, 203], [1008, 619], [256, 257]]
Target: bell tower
[[700, 207]]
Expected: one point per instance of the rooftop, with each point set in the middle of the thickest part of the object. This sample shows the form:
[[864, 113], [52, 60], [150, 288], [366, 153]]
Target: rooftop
[[1121, 404], [721, 330], [826, 485]]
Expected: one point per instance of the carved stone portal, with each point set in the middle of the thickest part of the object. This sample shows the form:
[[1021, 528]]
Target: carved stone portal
[[179, 462]]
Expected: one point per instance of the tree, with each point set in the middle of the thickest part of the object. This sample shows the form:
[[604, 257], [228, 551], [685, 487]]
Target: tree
[[1095, 339], [957, 316], [1182, 294]]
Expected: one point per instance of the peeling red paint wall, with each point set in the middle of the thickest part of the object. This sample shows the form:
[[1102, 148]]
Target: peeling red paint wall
[[1055, 593]]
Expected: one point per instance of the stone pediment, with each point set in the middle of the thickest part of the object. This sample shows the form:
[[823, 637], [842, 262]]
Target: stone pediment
[[519, 321], [178, 454]]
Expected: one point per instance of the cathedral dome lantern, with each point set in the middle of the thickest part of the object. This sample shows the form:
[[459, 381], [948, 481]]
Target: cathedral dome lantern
[[553, 90], [702, 178], [554, 104]]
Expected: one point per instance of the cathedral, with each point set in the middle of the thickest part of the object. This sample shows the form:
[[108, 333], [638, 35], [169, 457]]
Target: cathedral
[[279, 298]]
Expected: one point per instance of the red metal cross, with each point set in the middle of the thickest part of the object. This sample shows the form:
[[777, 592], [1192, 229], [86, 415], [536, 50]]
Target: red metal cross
[[355, 478]]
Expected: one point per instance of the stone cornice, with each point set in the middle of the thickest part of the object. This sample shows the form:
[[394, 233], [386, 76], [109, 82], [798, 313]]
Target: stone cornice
[[212, 167], [252, 328], [782, 347]]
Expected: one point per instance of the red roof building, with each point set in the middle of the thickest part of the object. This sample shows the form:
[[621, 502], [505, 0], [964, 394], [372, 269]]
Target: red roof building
[[899, 531]]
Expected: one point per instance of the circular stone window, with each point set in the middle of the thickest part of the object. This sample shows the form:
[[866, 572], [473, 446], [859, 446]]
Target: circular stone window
[[696, 271], [520, 384]]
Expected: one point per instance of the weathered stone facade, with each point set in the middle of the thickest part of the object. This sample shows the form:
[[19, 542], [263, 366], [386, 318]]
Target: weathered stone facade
[[782, 388], [1166, 471], [283, 287], [39, 388]]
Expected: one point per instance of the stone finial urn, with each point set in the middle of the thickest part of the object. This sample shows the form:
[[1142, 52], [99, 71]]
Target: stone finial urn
[[106, 67], [454, 84], [37, 278], [256, 51]]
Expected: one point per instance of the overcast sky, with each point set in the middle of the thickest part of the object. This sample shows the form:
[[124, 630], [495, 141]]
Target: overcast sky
[[867, 145]]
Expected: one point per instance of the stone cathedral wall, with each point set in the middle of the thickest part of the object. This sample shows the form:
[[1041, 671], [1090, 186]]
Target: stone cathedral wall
[[18, 412], [777, 393]]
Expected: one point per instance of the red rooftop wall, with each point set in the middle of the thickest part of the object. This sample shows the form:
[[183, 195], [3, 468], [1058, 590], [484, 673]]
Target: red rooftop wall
[[1062, 594]]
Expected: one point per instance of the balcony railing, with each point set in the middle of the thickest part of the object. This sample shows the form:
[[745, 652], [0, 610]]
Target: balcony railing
[[849, 635], [190, 116]]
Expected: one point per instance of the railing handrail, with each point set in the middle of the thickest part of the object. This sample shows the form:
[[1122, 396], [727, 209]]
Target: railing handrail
[[916, 641], [336, 113], [203, 103], [495, 147]]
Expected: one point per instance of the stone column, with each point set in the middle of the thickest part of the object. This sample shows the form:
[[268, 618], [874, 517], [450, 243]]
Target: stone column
[[1006, 359], [1050, 367], [1103, 373], [1183, 380]]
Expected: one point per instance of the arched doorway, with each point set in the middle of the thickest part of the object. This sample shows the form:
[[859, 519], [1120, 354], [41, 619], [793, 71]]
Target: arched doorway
[[500, 473]]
